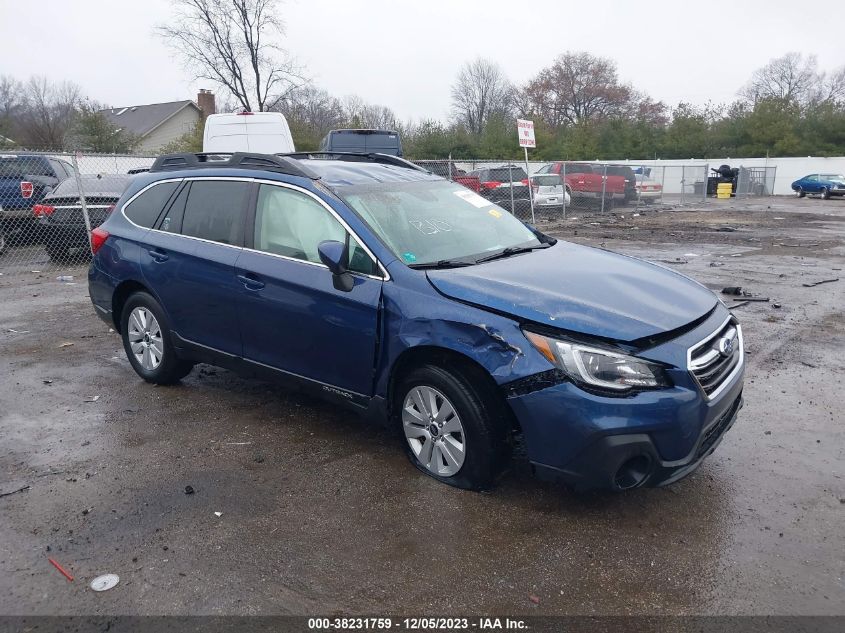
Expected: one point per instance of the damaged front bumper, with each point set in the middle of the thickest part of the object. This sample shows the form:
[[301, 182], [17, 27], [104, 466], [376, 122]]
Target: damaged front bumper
[[593, 441]]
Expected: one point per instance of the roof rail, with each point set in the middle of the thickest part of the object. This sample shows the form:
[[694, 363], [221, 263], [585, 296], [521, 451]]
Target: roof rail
[[236, 160], [356, 157]]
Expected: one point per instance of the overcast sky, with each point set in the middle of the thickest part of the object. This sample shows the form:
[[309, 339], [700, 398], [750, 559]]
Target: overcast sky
[[404, 54]]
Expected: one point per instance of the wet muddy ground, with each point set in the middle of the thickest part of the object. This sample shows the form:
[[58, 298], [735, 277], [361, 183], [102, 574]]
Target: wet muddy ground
[[299, 507]]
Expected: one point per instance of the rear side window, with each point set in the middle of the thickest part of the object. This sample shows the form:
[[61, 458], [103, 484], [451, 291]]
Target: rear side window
[[215, 211], [144, 209]]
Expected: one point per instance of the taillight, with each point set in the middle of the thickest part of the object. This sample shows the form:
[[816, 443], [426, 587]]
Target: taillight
[[43, 210], [98, 238], [491, 184], [524, 181], [245, 112], [27, 189]]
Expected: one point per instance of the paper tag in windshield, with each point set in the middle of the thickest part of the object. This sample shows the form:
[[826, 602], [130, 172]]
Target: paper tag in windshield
[[473, 198]]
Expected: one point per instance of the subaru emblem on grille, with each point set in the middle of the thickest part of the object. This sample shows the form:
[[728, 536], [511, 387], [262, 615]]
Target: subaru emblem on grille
[[726, 346]]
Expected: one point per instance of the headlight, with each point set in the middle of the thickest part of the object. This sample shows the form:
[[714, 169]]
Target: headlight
[[600, 367]]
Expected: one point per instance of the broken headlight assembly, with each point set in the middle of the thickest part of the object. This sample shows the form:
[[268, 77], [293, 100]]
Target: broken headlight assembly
[[600, 368]]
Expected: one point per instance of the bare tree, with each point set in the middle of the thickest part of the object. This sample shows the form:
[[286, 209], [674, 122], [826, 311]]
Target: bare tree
[[359, 113], [579, 87], [314, 108], [480, 91], [11, 103], [832, 87], [792, 78], [235, 43], [47, 113]]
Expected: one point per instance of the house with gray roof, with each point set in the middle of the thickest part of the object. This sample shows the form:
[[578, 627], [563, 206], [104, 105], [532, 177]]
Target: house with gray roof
[[158, 124]]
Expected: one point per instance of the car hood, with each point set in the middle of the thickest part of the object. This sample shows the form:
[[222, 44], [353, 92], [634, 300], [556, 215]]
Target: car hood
[[581, 289]]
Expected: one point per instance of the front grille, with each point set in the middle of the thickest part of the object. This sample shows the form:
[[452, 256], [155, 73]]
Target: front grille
[[713, 360], [717, 429]]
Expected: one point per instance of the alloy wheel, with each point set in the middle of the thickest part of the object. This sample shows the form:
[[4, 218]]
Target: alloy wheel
[[434, 431], [145, 340]]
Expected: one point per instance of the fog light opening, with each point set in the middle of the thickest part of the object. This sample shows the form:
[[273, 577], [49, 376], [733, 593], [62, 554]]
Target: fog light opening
[[633, 472]]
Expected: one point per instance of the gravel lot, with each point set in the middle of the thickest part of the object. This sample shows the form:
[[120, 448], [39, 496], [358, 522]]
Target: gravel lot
[[321, 513]]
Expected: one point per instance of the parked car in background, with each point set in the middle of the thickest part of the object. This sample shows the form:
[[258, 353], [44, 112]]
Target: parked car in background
[[549, 191], [60, 212], [447, 170], [498, 184], [364, 141], [823, 185], [647, 189], [266, 132], [588, 182], [630, 180], [24, 181], [422, 306]]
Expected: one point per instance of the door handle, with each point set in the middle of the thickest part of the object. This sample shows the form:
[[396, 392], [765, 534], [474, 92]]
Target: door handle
[[159, 256], [250, 282]]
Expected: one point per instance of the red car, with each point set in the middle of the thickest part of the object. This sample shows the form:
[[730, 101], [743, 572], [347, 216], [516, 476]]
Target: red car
[[588, 181]]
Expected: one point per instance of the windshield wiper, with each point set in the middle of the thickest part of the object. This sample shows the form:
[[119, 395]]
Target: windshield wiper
[[442, 263], [510, 250]]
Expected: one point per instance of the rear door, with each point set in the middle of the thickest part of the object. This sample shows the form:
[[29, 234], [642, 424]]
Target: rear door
[[292, 318], [189, 261]]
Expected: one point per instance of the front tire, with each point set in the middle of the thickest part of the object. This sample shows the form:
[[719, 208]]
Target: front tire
[[452, 429], [801, 193], [147, 342], [825, 193]]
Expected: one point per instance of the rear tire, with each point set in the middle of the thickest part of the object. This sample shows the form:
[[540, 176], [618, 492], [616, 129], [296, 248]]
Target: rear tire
[[147, 343], [452, 429]]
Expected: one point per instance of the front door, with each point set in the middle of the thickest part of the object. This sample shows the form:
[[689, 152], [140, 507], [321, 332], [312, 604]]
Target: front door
[[292, 318]]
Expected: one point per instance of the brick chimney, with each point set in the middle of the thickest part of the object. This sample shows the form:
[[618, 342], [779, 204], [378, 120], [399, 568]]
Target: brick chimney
[[205, 101]]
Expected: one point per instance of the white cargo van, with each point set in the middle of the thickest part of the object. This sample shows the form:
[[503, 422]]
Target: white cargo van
[[261, 132]]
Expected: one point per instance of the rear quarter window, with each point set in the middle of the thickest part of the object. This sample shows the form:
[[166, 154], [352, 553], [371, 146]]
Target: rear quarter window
[[145, 209]]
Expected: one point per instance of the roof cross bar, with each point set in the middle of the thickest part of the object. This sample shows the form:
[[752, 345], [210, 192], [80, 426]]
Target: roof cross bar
[[236, 160]]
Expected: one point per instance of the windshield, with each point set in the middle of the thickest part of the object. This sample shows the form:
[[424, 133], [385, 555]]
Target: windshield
[[426, 222]]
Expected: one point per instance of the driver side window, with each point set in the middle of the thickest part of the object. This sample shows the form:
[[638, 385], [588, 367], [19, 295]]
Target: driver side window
[[292, 224]]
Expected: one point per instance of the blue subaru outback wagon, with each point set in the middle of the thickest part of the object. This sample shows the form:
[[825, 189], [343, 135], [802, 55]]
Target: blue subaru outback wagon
[[422, 305]]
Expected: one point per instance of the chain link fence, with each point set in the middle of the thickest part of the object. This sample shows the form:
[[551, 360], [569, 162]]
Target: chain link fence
[[50, 203], [755, 182], [559, 189]]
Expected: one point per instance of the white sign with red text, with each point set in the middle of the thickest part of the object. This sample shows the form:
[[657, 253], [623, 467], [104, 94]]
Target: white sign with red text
[[525, 129]]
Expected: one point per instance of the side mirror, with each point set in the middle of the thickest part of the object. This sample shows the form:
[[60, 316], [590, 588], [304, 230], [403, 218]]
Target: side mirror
[[333, 254]]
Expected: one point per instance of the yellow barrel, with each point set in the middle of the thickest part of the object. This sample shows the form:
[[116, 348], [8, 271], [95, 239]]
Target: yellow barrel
[[723, 190]]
